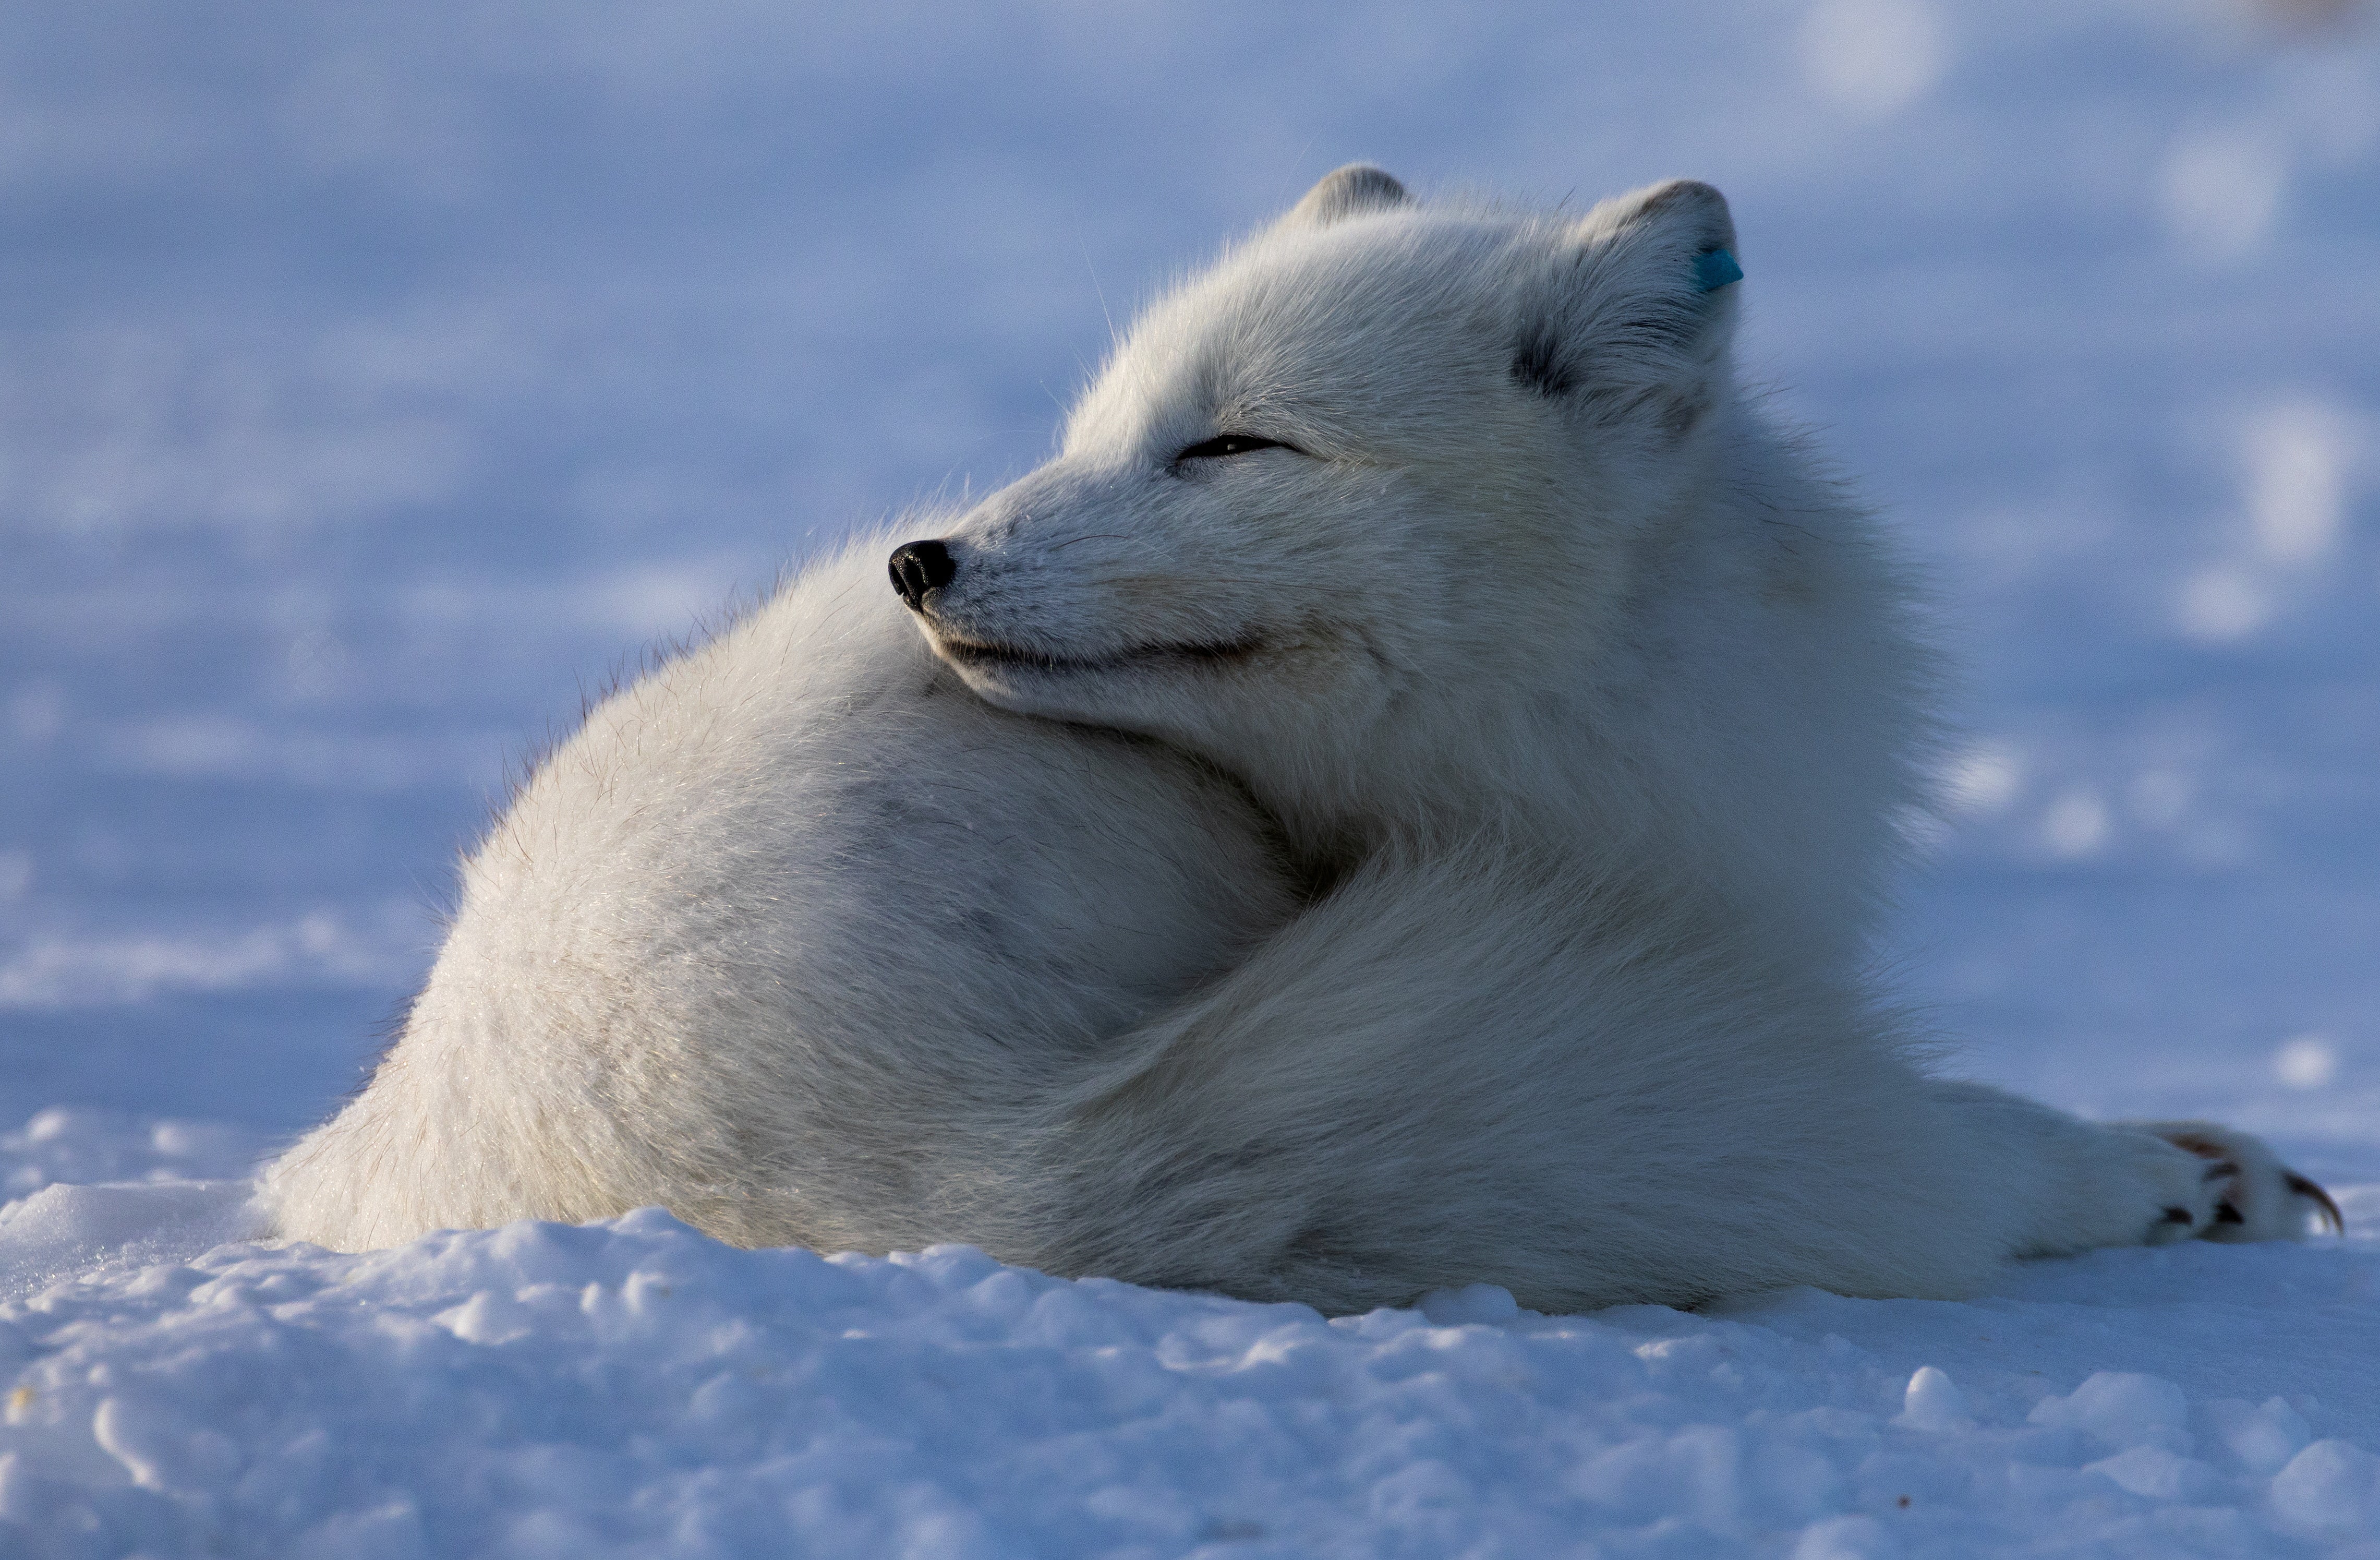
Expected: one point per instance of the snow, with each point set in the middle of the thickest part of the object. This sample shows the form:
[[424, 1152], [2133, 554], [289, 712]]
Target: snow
[[636, 1388], [374, 380]]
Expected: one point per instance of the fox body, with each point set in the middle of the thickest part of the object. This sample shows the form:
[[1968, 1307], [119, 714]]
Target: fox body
[[1403, 798]]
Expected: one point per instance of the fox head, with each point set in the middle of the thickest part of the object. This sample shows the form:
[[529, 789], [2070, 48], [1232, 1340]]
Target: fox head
[[1370, 493]]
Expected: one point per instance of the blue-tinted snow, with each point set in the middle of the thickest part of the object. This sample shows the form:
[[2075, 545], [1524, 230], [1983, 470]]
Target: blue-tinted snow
[[376, 380], [634, 1389]]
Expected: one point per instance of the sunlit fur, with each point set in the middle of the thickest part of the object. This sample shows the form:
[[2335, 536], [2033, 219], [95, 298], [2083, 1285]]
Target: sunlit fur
[[1444, 845]]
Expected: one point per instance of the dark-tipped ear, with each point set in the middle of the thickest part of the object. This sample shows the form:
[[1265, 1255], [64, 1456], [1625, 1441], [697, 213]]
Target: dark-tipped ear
[[1350, 192], [1636, 314]]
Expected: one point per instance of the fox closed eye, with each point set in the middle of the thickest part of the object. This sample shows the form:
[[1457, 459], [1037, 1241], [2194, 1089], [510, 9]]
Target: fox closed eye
[[1232, 444]]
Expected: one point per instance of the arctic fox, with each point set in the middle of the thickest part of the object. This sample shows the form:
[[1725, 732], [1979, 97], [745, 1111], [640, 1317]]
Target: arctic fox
[[1403, 799]]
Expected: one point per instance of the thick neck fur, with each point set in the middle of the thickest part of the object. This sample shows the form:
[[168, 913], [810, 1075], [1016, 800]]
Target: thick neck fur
[[1737, 714]]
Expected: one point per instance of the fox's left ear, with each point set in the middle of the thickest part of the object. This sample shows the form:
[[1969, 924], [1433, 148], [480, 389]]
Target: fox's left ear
[[1634, 316], [1349, 191]]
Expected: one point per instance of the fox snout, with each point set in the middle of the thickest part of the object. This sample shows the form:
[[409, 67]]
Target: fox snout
[[921, 566]]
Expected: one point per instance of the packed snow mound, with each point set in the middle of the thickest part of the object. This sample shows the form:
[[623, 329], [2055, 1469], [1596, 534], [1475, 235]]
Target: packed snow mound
[[638, 1388], [92, 1190]]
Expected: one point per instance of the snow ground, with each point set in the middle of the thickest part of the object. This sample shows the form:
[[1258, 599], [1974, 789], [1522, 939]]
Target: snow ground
[[371, 380], [636, 1388]]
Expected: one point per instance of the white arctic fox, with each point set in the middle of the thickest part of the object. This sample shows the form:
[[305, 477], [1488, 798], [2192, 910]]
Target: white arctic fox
[[1402, 800]]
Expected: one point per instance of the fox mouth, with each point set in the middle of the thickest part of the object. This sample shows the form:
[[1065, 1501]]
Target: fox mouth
[[992, 654]]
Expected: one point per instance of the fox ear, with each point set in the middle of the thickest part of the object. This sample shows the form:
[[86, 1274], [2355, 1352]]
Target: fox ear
[[1638, 313], [1680, 215], [1350, 192]]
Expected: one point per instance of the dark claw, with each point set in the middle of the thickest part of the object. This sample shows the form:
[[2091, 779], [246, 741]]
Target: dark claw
[[2220, 1169], [2178, 1217], [2313, 1192], [2227, 1215]]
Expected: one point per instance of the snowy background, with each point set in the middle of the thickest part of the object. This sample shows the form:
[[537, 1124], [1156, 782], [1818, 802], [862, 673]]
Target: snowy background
[[375, 380]]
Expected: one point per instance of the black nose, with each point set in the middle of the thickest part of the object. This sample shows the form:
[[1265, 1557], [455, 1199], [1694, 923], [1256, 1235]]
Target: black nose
[[919, 566]]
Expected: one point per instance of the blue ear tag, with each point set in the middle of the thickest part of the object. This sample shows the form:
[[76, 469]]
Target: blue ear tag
[[1715, 269]]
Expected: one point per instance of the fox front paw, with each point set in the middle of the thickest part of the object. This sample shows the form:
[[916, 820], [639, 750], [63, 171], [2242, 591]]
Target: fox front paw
[[2244, 1192]]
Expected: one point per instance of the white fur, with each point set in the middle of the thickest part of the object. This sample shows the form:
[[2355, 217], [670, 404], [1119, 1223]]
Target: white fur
[[781, 938], [1442, 847]]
